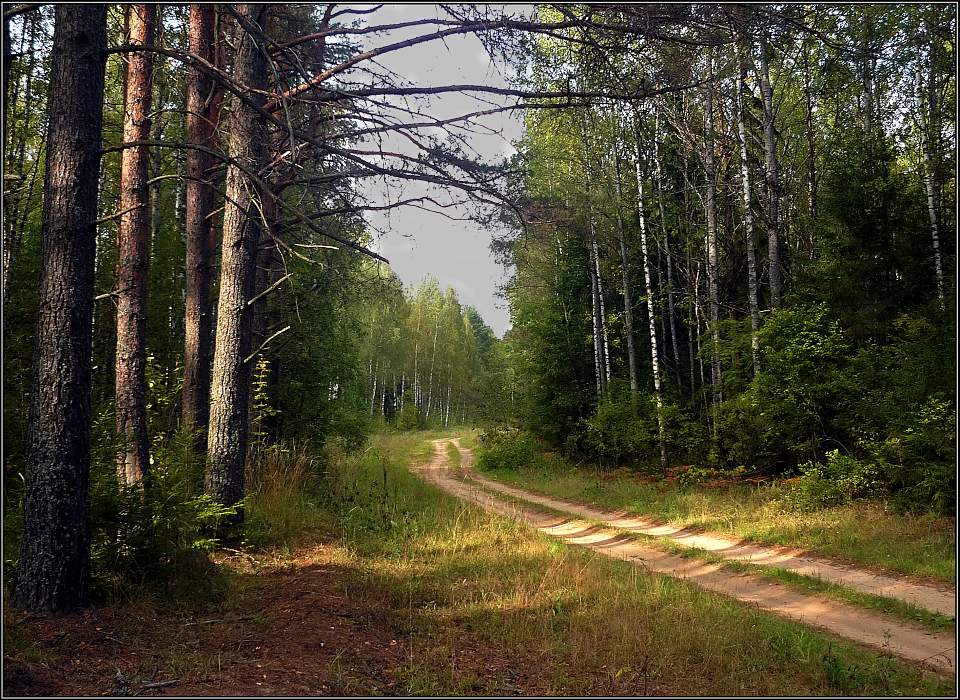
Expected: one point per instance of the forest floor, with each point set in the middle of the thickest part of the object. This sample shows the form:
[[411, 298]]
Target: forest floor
[[405, 590]]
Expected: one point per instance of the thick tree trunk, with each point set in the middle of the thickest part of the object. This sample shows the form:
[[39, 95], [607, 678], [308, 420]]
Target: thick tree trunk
[[655, 360], [230, 383], [53, 571], [202, 104], [773, 184], [133, 456], [627, 296], [748, 229]]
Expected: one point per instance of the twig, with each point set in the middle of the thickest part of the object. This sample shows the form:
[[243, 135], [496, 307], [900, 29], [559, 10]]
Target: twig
[[218, 620], [269, 289], [264, 344], [159, 684]]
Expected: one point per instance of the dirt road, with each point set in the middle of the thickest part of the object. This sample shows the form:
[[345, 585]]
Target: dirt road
[[934, 650]]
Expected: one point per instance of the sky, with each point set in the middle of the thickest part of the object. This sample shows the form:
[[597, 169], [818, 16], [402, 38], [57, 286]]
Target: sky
[[420, 243]]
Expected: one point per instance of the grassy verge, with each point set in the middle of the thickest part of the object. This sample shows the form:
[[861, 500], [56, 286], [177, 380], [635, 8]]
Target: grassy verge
[[600, 626], [897, 608], [863, 533]]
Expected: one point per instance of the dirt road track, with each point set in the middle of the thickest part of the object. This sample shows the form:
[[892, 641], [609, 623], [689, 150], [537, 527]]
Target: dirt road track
[[935, 650]]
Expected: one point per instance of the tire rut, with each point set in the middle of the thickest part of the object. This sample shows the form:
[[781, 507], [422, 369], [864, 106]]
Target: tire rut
[[934, 650]]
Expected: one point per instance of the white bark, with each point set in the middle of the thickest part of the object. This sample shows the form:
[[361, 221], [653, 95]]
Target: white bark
[[627, 296], [748, 229], [773, 184], [650, 314]]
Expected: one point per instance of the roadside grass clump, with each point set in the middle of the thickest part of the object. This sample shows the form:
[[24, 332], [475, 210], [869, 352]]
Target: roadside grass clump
[[863, 532], [284, 486], [571, 621]]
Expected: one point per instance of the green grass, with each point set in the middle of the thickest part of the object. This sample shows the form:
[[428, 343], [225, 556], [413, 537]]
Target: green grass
[[863, 533], [890, 606], [594, 625]]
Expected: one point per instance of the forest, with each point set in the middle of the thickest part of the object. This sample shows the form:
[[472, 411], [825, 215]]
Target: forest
[[728, 233]]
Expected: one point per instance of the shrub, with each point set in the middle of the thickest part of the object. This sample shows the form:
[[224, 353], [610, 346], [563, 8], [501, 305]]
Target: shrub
[[507, 448], [841, 480], [920, 460]]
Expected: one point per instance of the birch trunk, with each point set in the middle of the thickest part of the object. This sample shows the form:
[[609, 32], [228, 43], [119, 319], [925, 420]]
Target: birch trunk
[[666, 244], [652, 318], [748, 229], [627, 296], [773, 185], [597, 347], [929, 130], [711, 204]]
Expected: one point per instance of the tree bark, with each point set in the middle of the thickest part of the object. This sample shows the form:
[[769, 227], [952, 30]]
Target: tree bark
[[597, 361], [203, 99], [666, 244], [748, 228], [773, 184], [655, 360], [627, 296], [133, 456], [230, 382], [53, 572], [929, 131], [712, 271]]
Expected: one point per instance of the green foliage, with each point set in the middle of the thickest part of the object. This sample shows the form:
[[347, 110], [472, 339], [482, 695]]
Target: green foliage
[[840, 480], [920, 461], [151, 535], [507, 448]]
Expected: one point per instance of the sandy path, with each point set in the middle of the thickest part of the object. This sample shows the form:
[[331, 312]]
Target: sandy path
[[941, 599], [934, 650]]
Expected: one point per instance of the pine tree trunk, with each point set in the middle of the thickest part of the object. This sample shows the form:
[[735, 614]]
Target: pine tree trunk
[[748, 229], [655, 360], [202, 105], [773, 184], [230, 382], [133, 457], [53, 571]]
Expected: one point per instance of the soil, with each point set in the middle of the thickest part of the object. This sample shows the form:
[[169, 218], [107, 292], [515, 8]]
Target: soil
[[310, 627]]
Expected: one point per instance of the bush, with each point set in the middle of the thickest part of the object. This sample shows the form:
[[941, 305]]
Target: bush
[[920, 461], [507, 448], [841, 480], [151, 535]]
